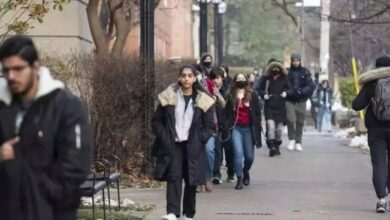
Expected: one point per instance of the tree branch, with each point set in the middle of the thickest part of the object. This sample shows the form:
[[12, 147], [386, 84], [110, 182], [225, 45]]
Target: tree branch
[[284, 7]]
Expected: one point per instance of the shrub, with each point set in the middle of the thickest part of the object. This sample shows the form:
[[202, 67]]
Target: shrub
[[347, 91], [113, 92]]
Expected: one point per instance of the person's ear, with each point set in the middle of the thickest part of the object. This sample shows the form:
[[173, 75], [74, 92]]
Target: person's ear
[[36, 65]]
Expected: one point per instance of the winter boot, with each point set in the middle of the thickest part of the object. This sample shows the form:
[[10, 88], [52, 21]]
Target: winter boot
[[247, 179], [272, 148], [277, 147], [239, 185]]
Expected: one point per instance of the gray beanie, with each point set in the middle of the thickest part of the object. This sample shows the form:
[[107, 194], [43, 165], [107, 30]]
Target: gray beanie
[[296, 56]]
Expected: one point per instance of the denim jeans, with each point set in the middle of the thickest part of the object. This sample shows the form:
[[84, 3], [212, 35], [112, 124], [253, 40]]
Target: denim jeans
[[243, 148], [210, 149], [324, 119]]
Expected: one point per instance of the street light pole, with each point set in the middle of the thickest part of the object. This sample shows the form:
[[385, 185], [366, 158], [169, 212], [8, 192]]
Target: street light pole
[[303, 52], [203, 27], [220, 38], [147, 54], [219, 9], [216, 33]]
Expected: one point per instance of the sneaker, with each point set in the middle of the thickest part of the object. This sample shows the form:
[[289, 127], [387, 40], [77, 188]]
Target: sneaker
[[217, 180], [209, 186], [186, 218], [170, 216], [291, 145], [230, 179], [298, 146], [381, 206]]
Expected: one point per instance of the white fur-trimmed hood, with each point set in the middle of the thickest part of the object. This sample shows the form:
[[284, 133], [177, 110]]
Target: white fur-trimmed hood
[[47, 84], [168, 97], [374, 75]]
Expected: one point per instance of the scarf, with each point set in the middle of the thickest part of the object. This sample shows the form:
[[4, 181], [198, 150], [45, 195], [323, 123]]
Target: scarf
[[183, 117]]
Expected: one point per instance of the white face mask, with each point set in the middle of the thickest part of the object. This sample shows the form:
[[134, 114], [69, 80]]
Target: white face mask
[[199, 77]]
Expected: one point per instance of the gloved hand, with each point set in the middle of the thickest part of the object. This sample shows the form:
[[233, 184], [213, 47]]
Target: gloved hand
[[284, 94], [266, 97]]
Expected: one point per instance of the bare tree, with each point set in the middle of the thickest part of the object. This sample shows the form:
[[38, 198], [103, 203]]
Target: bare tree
[[110, 36]]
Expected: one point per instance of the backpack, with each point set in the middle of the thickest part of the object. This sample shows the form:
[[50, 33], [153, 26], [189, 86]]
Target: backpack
[[381, 100]]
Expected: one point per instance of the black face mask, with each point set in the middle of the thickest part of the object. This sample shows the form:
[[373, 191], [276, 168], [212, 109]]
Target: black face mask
[[207, 64], [241, 84]]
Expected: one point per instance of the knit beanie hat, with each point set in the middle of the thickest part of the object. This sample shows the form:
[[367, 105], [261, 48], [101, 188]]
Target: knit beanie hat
[[383, 61]]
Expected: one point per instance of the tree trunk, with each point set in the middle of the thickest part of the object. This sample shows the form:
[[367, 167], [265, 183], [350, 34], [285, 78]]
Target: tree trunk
[[97, 33]]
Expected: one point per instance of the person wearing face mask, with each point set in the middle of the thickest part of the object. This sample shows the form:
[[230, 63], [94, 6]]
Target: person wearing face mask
[[273, 90], [302, 88], [206, 65], [243, 122]]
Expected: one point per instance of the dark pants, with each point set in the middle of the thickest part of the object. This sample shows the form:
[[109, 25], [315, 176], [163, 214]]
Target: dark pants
[[295, 120], [379, 142], [222, 147], [178, 170]]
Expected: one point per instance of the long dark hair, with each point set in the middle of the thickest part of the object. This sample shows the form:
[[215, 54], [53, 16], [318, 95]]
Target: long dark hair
[[248, 90]]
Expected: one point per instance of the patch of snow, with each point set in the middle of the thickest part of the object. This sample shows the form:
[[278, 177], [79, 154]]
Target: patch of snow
[[359, 142], [345, 133], [128, 202], [85, 201]]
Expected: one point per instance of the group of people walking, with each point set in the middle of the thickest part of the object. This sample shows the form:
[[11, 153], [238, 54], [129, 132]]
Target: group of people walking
[[45, 151], [207, 116]]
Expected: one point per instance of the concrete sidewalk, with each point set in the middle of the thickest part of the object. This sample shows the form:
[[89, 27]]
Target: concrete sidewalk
[[326, 181]]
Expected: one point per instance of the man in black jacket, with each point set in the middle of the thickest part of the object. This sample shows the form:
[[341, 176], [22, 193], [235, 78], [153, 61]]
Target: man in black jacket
[[378, 130], [302, 88], [45, 151]]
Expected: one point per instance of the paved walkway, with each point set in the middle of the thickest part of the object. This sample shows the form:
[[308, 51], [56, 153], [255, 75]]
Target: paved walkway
[[326, 181]]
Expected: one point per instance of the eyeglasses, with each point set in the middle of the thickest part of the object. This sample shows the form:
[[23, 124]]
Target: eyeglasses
[[15, 69]]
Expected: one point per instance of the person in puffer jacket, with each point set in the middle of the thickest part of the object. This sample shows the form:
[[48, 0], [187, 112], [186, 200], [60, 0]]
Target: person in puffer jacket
[[378, 130], [302, 88]]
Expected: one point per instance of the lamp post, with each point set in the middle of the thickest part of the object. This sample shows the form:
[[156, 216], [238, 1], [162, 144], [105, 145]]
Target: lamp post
[[203, 26], [147, 54], [219, 9]]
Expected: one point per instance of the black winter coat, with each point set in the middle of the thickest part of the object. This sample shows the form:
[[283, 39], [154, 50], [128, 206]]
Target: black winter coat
[[201, 130], [302, 85], [52, 158], [363, 99], [255, 117], [275, 106]]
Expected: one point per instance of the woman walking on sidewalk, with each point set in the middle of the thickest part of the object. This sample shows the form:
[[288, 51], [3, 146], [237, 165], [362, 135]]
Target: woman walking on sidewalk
[[273, 90], [323, 98], [183, 124], [375, 98], [243, 116]]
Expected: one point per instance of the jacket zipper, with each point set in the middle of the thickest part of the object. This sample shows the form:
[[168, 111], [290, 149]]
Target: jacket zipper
[[77, 131], [169, 125]]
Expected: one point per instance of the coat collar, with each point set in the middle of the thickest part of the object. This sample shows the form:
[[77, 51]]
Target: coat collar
[[273, 65], [168, 97], [374, 74], [46, 85]]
